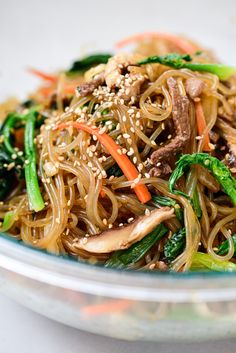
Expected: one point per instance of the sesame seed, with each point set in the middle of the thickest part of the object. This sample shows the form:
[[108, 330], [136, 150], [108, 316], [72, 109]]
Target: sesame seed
[[110, 225], [14, 156], [132, 129], [130, 152], [84, 240], [27, 161], [11, 165], [169, 137], [147, 175], [129, 141], [124, 118], [153, 143], [130, 219], [131, 111], [198, 137], [119, 151], [152, 266], [121, 224], [104, 221], [126, 136], [135, 160], [158, 164], [147, 212], [69, 203], [67, 231]]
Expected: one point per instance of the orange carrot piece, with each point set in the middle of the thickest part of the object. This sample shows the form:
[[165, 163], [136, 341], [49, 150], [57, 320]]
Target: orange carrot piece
[[183, 44], [102, 193], [122, 160], [201, 125], [43, 75], [111, 306]]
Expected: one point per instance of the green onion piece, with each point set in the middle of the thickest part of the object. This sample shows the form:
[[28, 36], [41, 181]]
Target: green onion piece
[[175, 245], [178, 61], [214, 165], [203, 261], [167, 201], [124, 258], [35, 198]]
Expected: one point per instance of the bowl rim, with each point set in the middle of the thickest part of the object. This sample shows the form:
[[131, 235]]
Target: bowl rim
[[66, 273]]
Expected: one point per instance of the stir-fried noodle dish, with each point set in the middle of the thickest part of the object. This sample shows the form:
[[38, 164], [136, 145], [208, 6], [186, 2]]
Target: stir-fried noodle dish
[[127, 160]]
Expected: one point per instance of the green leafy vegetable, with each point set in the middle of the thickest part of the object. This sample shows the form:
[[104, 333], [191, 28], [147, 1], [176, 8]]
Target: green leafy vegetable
[[178, 61], [33, 191], [11, 122], [8, 221], [87, 62], [214, 165], [203, 261], [196, 204], [114, 170], [123, 258], [175, 245], [224, 247], [167, 201]]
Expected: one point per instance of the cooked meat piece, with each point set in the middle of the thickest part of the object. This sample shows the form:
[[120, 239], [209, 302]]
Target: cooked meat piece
[[214, 136], [124, 237], [229, 134], [194, 87], [181, 123], [160, 171], [115, 76], [231, 160], [88, 87]]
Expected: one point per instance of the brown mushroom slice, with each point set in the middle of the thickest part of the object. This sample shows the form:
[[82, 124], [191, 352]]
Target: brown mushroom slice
[[124, 237]]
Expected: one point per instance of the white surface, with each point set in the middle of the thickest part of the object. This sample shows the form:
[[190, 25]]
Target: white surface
[[49, 34], [22, 331]]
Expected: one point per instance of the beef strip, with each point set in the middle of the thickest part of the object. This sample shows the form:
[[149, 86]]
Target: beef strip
[[160, 171], [88, 87], [194, 87], [181, 123]]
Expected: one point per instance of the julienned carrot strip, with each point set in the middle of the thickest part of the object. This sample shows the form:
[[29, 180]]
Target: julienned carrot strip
[[201, 125], [48, 90], [183, 44], [107, 307], [122, 160], [43, 75], [102, 193]]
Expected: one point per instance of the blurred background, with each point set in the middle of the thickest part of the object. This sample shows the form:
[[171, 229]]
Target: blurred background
[[50, 34]]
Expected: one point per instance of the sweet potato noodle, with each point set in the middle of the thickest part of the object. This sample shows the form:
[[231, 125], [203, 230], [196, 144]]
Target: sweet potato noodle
[[106, 142]]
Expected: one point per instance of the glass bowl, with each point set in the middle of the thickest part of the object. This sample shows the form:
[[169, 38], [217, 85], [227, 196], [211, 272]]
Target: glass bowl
[[122, 304], [128, 305]]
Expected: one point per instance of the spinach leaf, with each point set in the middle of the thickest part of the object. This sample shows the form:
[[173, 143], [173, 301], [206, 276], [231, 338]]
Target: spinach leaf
[[178, 61], [167, 201], [87, 62], [175, 245], [224, 247], [123, 258], [203, 261], [214, 165]]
